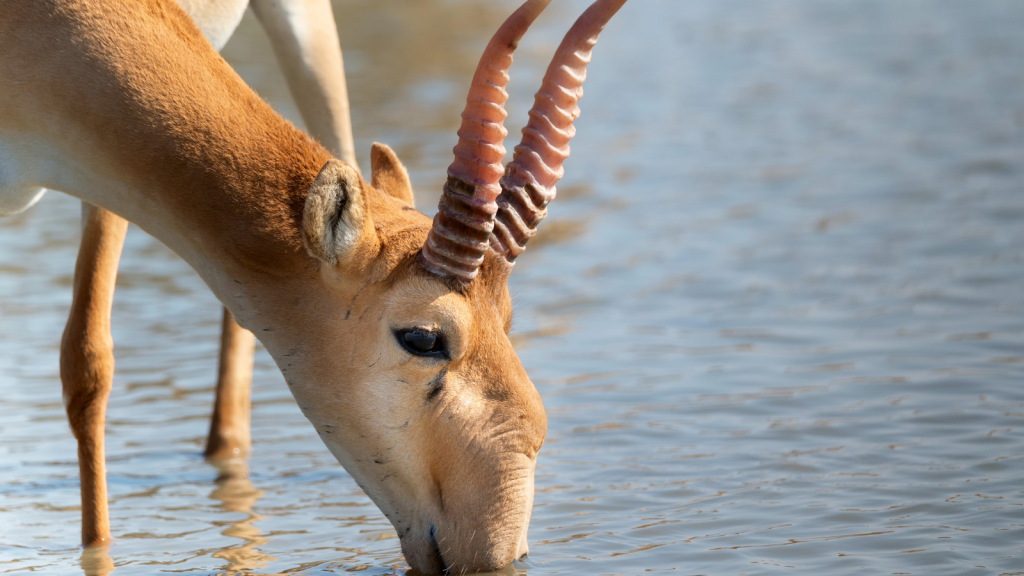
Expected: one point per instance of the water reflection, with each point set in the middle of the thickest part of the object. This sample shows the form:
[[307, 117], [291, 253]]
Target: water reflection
[[236, 494], [96, 561]]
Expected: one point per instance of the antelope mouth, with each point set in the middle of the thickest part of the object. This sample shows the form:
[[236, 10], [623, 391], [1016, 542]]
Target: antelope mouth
[[432, 541]]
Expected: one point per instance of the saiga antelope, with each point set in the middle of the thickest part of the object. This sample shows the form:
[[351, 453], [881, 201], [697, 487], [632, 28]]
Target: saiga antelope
[[390, 329]]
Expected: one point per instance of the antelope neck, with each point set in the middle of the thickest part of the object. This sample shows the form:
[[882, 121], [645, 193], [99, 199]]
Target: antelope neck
[[136, 113]]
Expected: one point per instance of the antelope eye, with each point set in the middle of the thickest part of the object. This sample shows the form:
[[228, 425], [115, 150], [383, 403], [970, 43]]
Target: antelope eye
[[419, 342]]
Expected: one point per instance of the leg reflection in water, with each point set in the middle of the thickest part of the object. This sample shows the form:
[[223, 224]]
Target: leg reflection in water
[[237, 494], [96, 561]]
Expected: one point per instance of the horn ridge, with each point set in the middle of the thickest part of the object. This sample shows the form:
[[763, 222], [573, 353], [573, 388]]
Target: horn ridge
[[472, 187], [528, 184]]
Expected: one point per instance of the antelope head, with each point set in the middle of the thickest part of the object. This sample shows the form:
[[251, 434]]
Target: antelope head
[[433, 414]]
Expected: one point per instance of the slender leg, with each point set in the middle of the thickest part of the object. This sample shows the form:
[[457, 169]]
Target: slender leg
[[87, 360], [305, 41], [229, 427]]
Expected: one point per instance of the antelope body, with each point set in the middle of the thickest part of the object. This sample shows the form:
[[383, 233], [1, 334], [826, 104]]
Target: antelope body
[[395, 349]]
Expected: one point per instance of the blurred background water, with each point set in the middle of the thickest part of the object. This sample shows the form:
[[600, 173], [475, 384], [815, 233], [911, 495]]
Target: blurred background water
[[776, 313]]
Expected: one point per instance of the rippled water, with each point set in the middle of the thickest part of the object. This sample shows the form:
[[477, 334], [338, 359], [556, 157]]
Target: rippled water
[[776, 316]]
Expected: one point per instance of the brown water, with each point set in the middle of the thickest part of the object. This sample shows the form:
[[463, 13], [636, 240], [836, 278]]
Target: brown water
[[777, 316]]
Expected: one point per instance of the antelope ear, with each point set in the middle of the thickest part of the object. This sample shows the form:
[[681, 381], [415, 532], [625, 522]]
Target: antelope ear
[[388, 174], [335, 220]]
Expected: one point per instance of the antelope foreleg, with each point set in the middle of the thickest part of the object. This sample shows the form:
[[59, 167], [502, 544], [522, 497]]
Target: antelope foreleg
[[229, 426], [87, 360]]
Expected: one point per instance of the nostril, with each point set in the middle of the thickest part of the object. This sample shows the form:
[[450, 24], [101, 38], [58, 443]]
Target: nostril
[[437, 549]]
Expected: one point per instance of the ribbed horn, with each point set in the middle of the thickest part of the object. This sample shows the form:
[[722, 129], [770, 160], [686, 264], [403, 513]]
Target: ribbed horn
[[529, 181], [462, 228]]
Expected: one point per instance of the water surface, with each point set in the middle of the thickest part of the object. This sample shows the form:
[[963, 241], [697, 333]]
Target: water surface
[[776, 313]]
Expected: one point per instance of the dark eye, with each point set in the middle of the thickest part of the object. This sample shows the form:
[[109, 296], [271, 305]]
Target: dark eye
[[419, 342]]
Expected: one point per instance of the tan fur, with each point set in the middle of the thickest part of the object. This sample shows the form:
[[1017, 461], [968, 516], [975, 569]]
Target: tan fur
[[229, 424], [335, 215], [87, 362], [388, 174], [217, 19], [133, 111]]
